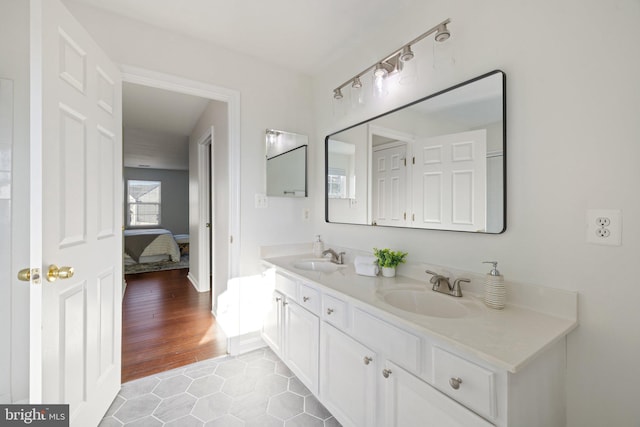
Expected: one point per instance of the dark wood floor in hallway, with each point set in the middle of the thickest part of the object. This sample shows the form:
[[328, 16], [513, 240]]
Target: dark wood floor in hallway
[[166, 324]]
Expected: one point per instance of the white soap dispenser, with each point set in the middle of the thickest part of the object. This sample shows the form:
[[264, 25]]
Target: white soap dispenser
[[318, 247], [495, 293]]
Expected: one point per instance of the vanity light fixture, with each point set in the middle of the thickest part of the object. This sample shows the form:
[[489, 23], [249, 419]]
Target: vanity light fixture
[[406, 54], [392, 63], [272, 136], [443, 33], [380, 71]]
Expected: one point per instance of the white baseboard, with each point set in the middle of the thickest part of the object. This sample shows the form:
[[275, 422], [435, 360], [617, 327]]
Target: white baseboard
[[245, 343], [193, 281]]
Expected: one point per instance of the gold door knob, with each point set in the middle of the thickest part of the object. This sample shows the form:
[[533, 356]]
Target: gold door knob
[[24, 274], [56, 272]]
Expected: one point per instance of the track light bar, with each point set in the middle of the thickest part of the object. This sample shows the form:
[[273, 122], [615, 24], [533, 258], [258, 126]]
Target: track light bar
[[393, 62]]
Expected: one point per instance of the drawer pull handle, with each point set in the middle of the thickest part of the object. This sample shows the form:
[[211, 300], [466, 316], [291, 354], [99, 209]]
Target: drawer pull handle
[[386, 373], [305, 299], [285, 303], [278, 299], [455, 383], [367, 360], [329, 310]]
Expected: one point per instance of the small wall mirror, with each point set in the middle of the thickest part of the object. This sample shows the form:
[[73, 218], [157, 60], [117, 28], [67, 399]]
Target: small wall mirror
[[437, 163], [286, 163]]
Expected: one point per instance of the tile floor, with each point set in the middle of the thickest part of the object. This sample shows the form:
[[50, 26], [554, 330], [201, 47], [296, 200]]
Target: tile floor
[[254, 389]]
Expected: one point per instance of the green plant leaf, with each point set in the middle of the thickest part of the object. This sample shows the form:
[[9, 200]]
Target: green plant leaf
[[388, 258]]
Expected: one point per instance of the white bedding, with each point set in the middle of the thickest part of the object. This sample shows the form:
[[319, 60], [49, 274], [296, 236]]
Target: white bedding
[[163, 244]]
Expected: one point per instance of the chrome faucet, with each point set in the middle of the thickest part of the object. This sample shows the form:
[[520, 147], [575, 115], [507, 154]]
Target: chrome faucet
[[437, 281], [335, 257]]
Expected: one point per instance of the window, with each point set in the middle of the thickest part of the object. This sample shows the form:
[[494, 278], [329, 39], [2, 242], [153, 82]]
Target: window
[[337, 181], [143, 201]]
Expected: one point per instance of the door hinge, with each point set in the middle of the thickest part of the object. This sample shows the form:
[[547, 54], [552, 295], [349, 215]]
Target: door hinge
[[414, 160], [405, 216], [405, 161], [413, 217], [231, 239]]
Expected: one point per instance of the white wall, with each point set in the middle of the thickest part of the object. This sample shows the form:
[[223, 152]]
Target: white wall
[[14, 327], [216, 115], [158, 150], [573, 143], [271, 97]]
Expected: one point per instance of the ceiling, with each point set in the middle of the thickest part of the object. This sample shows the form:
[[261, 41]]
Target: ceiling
[[157, 125], [298, 34], [301, 35], [163, 111]]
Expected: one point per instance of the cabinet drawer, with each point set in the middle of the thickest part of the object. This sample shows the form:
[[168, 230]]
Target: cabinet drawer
[[409, 399], [287, 285], [476, 386], [309, 298], [397, 345], [334, 311]]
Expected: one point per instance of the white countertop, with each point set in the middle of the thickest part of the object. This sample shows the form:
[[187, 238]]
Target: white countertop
[[507, 338]]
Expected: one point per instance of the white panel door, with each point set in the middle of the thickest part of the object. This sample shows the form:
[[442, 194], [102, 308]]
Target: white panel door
[[272, 325], [347, 378], [302, 335], [450, 182], [76, 217], [389, 181], [409, 402]]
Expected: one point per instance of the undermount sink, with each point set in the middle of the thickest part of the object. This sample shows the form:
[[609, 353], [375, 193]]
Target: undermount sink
[[323, 266], [424, 302]]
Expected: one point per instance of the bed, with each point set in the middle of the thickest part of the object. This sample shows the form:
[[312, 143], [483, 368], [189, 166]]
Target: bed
[[150, 245]]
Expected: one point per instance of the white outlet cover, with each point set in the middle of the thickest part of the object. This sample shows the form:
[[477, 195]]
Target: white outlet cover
[[261, 201], [595, 233]]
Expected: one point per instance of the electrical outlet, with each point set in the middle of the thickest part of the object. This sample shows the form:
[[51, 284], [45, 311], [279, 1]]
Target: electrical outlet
[[306, 214], [604, 227]]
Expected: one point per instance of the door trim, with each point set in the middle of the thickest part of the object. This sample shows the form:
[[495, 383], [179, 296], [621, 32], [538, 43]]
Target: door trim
[[205, 200], [173, 83]]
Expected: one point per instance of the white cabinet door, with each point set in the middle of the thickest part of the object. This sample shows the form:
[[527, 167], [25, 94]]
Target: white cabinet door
[[272, 326], [410, 402], [301, 336], [347, 378]]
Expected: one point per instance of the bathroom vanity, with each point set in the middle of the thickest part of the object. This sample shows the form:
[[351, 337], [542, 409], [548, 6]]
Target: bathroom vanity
[[390, 352]]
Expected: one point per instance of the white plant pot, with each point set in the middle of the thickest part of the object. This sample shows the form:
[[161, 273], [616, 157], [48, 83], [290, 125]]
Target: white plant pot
[[389, 271]]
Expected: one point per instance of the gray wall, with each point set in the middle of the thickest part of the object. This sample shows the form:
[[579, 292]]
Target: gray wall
[[175, 196]]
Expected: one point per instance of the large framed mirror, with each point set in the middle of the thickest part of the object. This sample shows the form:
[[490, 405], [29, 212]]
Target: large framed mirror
[[437, 163], [286, 163]]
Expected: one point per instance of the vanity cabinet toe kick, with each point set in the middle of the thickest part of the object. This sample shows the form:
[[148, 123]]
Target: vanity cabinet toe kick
[[368, 371]]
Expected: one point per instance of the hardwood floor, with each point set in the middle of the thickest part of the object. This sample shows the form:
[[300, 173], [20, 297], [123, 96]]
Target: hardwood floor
[[166, 323]]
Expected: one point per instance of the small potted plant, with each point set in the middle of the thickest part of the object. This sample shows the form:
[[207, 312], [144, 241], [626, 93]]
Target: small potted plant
[[388, 260]]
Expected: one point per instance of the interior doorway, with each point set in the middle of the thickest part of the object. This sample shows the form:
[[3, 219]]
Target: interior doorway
[[227, 164], [218, 211]]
